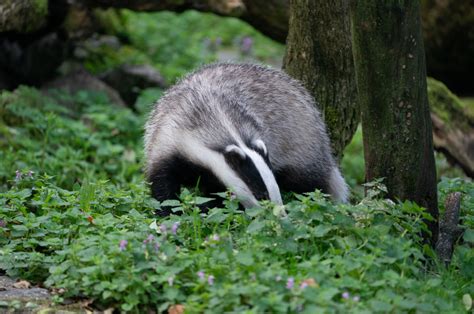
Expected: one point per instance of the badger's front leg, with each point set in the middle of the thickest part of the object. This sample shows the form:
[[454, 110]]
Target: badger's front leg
[[169, 174], [165, 179]]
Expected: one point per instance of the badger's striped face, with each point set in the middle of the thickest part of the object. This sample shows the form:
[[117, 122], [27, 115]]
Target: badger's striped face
[[254, 180]]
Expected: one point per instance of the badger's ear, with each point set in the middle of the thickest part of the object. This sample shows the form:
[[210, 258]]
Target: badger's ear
[[234, 151], [260, 146]]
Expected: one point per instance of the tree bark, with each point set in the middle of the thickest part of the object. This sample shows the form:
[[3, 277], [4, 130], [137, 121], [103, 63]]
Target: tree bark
[[391, 78], [319, 53]]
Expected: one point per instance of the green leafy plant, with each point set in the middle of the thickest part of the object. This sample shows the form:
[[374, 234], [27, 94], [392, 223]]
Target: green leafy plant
[[76, 215]]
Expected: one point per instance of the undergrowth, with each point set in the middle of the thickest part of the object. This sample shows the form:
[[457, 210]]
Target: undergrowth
[[76, 216]]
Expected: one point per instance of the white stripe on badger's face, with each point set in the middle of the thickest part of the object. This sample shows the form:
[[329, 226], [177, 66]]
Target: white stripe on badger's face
[[215, 162], [266, 174]]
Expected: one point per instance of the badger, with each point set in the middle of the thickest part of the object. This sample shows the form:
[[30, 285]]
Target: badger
[[243, 127]]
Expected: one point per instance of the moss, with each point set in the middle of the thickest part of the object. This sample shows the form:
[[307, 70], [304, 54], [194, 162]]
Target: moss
[[23, 16], [103, 58], [468, 106], [448, 107], [37, 18], [111, 21]]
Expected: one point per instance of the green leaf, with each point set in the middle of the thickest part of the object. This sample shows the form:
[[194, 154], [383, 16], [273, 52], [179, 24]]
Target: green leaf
[[328, 293], [106, 294], [469, 235], [245, 258], [172, 203], [202, 200], [254, 211], [321, 230], [380, 306], [467, 301], [255, 226]]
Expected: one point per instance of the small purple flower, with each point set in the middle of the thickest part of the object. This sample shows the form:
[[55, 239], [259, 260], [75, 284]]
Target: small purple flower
[[18, 175], [233, 196], [201, 275], [290, 283], [210, 280], [157, 246], [163, 228], [30, 174], [175, 227], [345, 295], [246, 45], [356, 298], [215, 237], [149, 239], [303, 285], [3, 224], [123, 244], [171, 280]]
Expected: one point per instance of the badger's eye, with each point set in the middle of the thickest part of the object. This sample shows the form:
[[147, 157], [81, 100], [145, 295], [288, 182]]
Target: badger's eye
[[260, 147]]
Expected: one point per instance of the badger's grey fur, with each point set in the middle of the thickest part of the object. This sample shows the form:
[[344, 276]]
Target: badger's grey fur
[[224, 113]]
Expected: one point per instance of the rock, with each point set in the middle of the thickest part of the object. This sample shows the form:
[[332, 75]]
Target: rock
[[453, 126], [83, 80], [34, 300], [129, 80], [31, 60], [23, 16], [8, 292]]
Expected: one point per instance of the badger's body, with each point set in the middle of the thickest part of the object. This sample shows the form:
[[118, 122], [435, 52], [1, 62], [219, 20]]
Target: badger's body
[[223, 121]]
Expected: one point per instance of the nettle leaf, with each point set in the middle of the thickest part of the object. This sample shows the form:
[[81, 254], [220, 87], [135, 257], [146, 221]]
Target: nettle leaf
[[202, 200], [321, 230], [245, 258], [255, 226], [469, 235], [152, 203], [254, 211], [172, 203], [216, 215], [84, 220]]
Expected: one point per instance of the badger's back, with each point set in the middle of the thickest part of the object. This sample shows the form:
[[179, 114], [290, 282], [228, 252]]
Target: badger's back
[[221, 101]]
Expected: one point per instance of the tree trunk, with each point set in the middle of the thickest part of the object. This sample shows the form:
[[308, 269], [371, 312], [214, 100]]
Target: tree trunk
[[319, 54], [391, 79]]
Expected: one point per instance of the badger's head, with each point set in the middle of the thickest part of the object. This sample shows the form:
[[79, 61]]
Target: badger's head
[[248, 174]]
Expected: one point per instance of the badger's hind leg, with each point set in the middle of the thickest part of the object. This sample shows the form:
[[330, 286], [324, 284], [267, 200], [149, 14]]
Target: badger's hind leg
[[338, 186], [328, 180]]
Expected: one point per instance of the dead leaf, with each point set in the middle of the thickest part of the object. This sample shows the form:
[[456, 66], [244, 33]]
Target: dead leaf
[[110, 310], [22, 284], [176, 309], [310, 282]]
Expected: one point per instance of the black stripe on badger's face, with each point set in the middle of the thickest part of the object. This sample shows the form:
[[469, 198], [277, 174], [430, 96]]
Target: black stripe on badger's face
[[245, 168]]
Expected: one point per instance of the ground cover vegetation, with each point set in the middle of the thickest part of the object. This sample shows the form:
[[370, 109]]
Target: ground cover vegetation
[[76, 216]]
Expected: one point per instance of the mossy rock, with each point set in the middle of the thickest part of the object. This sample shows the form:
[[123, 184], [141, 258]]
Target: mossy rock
[[23, 16], [448, 107]]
